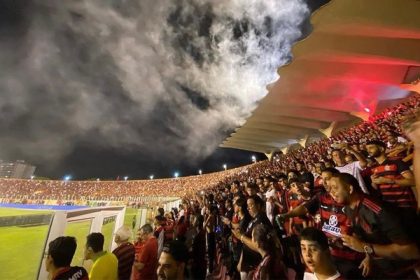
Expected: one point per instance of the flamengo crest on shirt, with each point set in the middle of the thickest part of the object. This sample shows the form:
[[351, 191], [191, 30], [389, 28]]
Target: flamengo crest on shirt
[[331, 227]]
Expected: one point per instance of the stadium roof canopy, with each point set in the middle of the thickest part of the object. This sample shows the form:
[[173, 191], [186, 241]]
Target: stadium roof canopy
[[361, 56]]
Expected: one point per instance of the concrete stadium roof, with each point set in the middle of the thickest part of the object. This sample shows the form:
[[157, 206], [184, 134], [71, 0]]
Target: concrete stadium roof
[[361, 56]]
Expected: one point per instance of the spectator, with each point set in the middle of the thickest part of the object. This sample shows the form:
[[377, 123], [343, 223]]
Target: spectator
[[333, 223], [146, 263], [393, 178], [377, 231], [159, 232], [271, 265], [353, 168], [317, 258], [60, 254], [198, 250], [210, 226], [250, 257], [413, 132], [105, 264], [305, 177], [125, 252], [172, 261]]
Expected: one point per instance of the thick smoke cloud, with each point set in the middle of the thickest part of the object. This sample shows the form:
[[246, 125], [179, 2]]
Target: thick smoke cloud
[[172, 77]]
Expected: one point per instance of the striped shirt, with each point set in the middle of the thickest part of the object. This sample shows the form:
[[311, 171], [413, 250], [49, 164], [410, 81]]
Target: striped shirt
[[400, 196], [125, 255], [334, 223]]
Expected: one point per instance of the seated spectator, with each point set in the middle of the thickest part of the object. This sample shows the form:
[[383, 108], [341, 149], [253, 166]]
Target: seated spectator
[[125, 252], [60, 254], [377, 230], [146, 263], [316, 255], [172, 261], [105, 264], [271, 265]]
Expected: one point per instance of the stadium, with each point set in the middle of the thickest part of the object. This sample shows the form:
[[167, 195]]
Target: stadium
[[350, 92]]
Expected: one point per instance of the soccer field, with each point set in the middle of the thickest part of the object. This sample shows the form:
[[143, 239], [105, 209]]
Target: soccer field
[[22, 247]]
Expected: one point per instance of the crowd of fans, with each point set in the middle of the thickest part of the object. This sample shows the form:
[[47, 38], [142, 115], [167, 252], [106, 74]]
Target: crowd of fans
[[345, 207], [79, 192]]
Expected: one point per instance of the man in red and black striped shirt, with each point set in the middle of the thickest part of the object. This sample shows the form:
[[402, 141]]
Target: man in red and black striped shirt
[[124, 252], [392, 178], [334, 223]]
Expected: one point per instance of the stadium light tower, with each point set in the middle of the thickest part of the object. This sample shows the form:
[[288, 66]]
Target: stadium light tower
[[176, 174], [151, 177], [224, 166], [200, 172], [125, 178], [67, 178], [254, 158]]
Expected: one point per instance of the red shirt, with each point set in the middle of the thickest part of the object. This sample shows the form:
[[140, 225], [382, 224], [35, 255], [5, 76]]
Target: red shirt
[[149, 257]]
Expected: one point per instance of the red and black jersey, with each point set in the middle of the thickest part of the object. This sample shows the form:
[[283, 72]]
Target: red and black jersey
[[281, 196], [74, 272], [334, 223], [125, 254], [400, 196], [169, 230], [318, 185], [293, 201], [374, 223]]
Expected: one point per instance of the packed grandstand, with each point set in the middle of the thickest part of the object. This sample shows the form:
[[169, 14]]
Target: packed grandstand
[[387, 126], [289, 217]]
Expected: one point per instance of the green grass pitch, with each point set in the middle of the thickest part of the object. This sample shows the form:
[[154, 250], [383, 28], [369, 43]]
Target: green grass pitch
[[22, 247]]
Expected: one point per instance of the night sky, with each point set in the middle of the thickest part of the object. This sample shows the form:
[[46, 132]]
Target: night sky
[[134, 88]]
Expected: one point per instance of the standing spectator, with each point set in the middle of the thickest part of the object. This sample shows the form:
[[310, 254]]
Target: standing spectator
[[318, 187], [316, 255], [353, 168], [146, 263], [250, 257], [393, 178], [159, 233], [105, 264], [125, 252], [305, 177], [334, 222], [294, 199], [377, 230], [210, 226], [172, 261], [271, 265], [60, 253], [198, 252], [414, 134]]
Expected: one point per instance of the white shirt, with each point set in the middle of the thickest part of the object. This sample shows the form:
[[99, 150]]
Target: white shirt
[[269, 208], [312, 276], [399, 140], [354, 169]]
